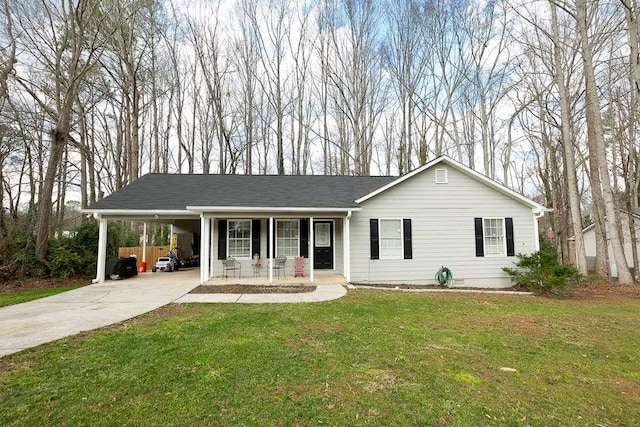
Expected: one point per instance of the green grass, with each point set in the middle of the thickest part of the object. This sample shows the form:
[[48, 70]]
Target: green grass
[[371, 358], [30, 294]]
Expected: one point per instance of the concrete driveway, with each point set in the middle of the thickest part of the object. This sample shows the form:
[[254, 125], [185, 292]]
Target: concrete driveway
[[48, 319]]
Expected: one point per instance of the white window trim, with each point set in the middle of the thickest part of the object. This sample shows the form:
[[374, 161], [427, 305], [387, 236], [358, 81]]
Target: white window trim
[[276, 235], [504, 238], [401, 255], [446, 176], [229, 221]]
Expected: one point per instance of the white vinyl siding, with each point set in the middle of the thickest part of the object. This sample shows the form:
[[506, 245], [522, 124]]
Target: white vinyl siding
[[494, 237], [239, 239], [443, 232], [390, 239], [287, 237]]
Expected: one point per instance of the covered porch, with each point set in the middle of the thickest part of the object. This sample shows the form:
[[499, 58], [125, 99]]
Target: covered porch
[[277, 245]]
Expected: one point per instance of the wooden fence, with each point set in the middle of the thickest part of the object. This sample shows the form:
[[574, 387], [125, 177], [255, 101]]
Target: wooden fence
[[153, 252]]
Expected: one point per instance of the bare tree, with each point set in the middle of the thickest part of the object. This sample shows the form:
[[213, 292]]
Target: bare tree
[[356, 76], [596, 138], [65, 39], [567, 143]]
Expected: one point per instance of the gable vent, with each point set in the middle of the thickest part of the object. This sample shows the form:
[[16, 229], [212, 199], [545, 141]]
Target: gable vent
[[441, 176]]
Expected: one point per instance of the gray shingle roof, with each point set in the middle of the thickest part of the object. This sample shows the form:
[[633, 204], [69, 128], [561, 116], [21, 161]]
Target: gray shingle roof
[[176, 192]]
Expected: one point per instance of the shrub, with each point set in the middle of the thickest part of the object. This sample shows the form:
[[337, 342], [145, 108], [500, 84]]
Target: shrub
[[64, 262], [541, 273]]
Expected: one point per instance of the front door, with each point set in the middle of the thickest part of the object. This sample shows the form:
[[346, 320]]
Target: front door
[[323, 245]]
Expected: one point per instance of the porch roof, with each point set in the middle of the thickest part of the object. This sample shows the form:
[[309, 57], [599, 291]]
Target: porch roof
[[181, 192]]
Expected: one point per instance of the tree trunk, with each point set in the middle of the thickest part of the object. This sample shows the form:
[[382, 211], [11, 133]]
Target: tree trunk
[[597, 145], [45, 205], [567, 143]]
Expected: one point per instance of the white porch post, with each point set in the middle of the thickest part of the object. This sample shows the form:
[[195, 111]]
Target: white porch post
[[102, 250], [347, 247], [202, 246], [211, 257], [144, 241], [271, 249], [171, 237], [311, 246], [205, 248]]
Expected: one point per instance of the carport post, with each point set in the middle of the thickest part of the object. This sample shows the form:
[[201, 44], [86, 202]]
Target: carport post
[[144, 242], [102, 249]]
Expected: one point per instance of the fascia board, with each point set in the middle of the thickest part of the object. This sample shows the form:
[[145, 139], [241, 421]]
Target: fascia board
[[138, 212], [267, 209]]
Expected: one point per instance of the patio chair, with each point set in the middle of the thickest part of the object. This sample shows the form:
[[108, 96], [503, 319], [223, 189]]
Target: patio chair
[[298, 266], [279, 265], [231, 265]]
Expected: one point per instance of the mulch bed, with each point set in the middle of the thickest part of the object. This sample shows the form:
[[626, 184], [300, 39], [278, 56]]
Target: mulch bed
[[585, 291], [603, 290], [252, 289], [41, 283], [418, 287]]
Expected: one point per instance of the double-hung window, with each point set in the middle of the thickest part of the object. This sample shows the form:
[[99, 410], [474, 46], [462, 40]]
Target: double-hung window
[[494, 237], [391, 238], [239, 239], [287, 237]]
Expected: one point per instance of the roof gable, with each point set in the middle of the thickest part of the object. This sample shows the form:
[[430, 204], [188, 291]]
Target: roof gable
[[467, 171]]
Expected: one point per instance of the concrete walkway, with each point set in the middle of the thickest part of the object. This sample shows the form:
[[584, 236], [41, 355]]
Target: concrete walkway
[[47, 319]]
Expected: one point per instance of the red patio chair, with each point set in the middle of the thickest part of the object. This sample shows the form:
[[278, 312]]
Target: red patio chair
[[298, 266]]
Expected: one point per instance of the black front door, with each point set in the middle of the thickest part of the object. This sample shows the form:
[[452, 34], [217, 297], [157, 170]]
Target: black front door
[[323, 245]]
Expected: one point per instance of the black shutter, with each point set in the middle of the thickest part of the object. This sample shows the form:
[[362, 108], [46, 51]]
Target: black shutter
[[304, 237], [511, 247], [406, 226], [255, 238], [479, 237], [222, 239], [374, 241]]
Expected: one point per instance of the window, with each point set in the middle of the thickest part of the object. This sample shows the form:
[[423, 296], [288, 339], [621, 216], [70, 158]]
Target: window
[[239, 239], [441, 176], [287, 237], [391, 238], [494, 236]]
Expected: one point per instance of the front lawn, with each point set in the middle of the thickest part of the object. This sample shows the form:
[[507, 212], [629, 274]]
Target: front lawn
[[373, 357], [17, 297]]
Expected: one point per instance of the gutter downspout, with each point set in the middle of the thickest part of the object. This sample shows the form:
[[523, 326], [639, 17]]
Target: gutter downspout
[[536, 232], [102, 249]]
